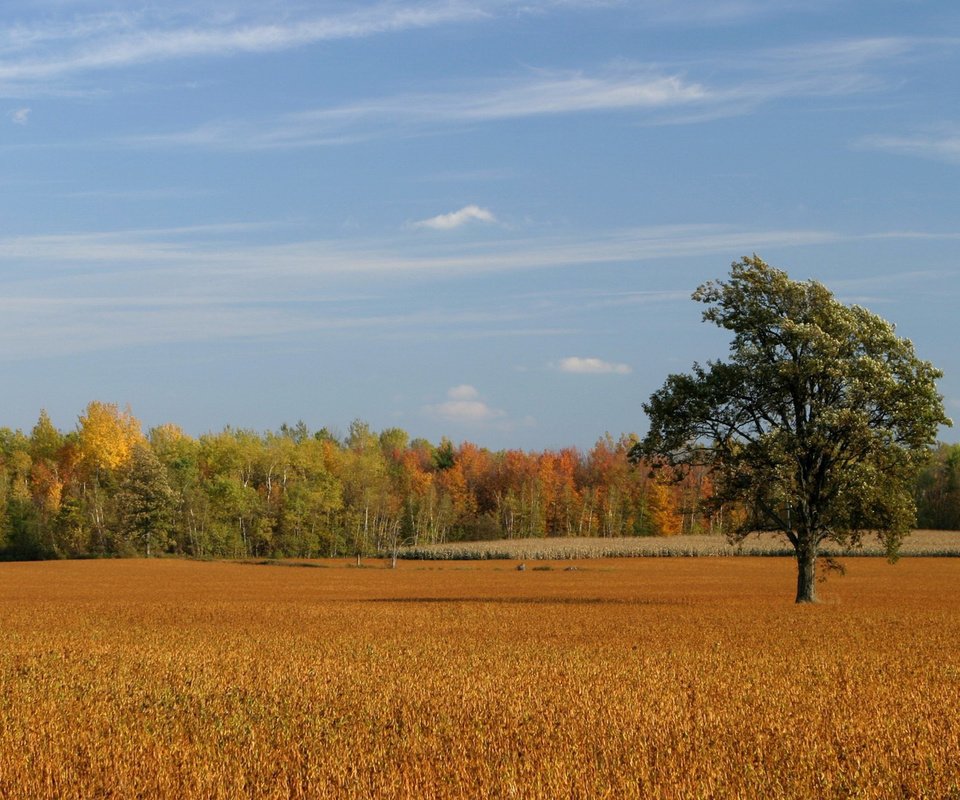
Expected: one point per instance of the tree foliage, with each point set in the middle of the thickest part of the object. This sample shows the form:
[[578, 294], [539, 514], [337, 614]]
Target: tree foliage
[[292, 493], [145, 501], [105, 489], [938, 489], [107, 435], [817, 423]]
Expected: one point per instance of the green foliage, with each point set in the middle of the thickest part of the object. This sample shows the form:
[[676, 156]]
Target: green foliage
[[938, 489], [145, 502], [45, 439], [817, 423], [444, 456]]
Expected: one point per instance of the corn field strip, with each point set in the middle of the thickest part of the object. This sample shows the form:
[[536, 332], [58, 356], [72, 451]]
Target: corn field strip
[[923, 543]]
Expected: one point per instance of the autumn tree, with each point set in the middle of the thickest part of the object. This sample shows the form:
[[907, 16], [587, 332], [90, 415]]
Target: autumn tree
[[46, 484], [416, 486], [614, 495], [664, 518], [105, 438], [817, 423], [107, 435]]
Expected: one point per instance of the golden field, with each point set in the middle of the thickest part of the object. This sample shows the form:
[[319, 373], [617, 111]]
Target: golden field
[[633, 678]]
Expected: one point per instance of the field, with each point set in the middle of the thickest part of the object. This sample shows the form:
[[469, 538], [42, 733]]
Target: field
[[633, 678], [919, 543]]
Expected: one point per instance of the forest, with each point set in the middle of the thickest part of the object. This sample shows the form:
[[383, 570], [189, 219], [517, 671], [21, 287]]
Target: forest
[[107, 488]]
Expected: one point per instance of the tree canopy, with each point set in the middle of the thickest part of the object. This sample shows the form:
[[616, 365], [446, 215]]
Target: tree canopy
[[106, 489], [815, 426]]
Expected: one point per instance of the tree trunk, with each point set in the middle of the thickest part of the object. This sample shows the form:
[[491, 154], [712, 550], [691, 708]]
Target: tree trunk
[[806, 573]]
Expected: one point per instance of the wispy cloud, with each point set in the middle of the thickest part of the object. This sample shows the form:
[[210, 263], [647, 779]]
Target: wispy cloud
[[592, 366], [36, 326], [563, 93], [85, 38], [698, 13], [456, 219], [224, 251], [651, 93], [113, 41], [942, 145], [464, 405], [535, 93], [20, 116], [829, 69], [70, 293]]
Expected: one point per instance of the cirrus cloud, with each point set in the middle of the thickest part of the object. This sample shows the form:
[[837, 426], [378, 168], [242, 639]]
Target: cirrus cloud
[[941, 145]]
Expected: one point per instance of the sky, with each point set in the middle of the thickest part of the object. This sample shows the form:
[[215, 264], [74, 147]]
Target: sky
[[480, 219]]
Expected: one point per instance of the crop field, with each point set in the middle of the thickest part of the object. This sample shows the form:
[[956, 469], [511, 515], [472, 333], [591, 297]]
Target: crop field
[[919, 543], [621, 678]]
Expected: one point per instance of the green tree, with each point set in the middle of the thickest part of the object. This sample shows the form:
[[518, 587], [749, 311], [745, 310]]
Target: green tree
[[227, 464], [145, 500], [938, 490], [817, 424], [45, 439], [179, 454]]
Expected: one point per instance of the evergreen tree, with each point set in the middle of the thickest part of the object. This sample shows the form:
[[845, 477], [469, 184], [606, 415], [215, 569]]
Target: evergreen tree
[[145, 501]]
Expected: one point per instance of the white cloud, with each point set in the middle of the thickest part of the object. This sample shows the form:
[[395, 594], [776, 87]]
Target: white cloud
[[940, 146], [210, 251], [536, 93], [21, 116], [652, 93], [592, 366], [463, 392], [561, 93], [456, 219], [66, 293], [100, 41], [464, 406]]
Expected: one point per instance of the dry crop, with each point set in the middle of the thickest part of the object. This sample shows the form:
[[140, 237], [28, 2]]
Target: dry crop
[[919, 543], [634, 678]]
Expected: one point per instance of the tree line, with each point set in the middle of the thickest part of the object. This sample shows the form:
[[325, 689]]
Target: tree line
[[107, 488]]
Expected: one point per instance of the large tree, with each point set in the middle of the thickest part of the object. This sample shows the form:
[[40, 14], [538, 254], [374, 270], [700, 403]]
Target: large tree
[[815, 426]]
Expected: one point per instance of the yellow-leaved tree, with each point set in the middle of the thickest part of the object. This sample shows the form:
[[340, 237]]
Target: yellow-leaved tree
[[107, 435], [106, 438], [662, 507]]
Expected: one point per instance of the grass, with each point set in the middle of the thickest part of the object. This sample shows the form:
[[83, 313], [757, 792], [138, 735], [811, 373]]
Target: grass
[[632, 678], [919, 543]]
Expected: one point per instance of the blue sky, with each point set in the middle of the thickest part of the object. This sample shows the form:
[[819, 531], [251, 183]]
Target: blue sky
[[474, 218]]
